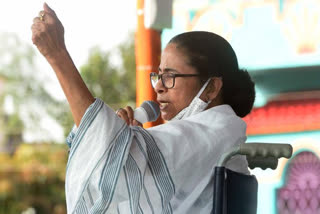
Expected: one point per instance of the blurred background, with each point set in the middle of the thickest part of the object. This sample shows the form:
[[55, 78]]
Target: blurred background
[[277, 41], [34, 115]]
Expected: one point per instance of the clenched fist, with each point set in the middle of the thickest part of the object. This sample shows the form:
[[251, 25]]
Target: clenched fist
[[48, 33]]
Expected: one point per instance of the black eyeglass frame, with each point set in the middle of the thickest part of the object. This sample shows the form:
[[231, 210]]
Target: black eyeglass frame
[[152, 74]]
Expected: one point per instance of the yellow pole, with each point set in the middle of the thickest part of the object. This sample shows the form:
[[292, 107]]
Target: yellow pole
[[148, 52]]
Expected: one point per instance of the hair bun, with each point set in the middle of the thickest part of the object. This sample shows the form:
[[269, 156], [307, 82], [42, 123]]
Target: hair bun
[[238, 91]]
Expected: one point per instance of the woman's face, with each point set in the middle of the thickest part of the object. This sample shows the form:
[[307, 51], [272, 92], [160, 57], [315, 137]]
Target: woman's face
[[173, 100]]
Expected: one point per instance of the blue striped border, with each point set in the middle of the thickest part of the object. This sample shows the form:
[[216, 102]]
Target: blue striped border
[[106, 153], [159, 170], [134, 184], [81, 208], [110, 174], [86, 121]]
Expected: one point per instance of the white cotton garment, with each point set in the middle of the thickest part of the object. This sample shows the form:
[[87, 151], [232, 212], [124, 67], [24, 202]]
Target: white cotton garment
[[115, 168]]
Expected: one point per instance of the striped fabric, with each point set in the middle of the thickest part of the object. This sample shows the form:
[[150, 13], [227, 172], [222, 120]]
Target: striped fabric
[[115, 168]]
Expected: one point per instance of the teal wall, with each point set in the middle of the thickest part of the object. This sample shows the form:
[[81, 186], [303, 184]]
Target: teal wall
[[264, 34]]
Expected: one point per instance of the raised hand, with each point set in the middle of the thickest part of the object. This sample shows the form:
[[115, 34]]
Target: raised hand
[[48, 33], [48, 36]]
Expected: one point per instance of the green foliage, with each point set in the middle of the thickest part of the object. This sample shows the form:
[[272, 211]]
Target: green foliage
[[101, 77], [20, 80], [23, 84], [33, 177], [128, 78], [115, 85], [18, 73]]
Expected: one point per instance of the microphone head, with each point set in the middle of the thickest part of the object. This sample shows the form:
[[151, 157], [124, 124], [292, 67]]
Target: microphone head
[[152, 109]]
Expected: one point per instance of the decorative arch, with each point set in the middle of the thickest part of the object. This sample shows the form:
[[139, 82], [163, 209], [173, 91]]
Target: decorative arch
[[301, 190]]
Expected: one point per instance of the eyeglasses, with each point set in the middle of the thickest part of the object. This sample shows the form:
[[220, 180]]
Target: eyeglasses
[[168, 79]]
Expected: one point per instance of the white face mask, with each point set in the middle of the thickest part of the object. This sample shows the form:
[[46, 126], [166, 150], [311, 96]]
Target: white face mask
[[197, 105]]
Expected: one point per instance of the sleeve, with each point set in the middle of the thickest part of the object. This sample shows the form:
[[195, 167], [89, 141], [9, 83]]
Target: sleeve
[[71, 135], [98, 149], [114, 168], [74, 129]]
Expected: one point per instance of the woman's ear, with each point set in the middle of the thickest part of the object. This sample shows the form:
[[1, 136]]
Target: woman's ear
[[213, 89]]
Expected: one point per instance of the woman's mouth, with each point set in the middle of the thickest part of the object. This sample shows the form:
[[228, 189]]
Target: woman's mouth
[[163, 105]]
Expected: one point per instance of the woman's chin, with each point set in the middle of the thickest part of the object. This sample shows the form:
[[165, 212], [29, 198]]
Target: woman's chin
[[166, 116]]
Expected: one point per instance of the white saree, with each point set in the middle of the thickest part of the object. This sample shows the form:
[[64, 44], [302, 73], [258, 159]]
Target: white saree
[[115, 168]]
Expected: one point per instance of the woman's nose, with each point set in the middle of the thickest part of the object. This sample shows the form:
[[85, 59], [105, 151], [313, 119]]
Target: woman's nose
[[159, 87]]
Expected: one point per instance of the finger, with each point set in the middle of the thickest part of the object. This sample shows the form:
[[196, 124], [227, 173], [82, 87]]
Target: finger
[[37, 29], [122, 113], [48, 9], [41, 13], [46, 17], [118, 110], [136, 123], [37, 37], [36, 19], [130, 114]]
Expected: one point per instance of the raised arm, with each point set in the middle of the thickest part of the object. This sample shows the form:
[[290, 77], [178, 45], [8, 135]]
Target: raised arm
[[48, 36]]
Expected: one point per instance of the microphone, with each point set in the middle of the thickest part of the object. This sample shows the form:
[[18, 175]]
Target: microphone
[[148, 111]]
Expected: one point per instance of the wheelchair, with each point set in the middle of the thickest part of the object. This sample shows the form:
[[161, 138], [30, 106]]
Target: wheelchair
[[236, 193]]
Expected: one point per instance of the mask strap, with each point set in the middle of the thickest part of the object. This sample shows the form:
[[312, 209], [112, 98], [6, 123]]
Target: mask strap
[[203, 88]]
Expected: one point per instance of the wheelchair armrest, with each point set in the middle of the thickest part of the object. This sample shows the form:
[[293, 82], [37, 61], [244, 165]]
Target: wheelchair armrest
[[266, 150], [263, 155], [262, 162]]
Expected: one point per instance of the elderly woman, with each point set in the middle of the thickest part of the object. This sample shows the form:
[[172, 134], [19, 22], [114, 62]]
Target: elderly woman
[[117, 168]]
